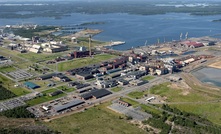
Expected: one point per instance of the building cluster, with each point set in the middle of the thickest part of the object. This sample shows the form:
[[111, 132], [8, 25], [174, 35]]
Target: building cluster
[[180, 62], [196, 44], [56, 76], [35, 44]]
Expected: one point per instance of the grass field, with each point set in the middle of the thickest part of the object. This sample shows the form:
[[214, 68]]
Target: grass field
[[66, 88], [150, 109], [7, 69], [136, 94], [49, 91], [148, 78], [13, 54], [39, 57], [43, 99], [200, 103], [143, 106], [96, 120], [210, 111], [5, 81], [178, 95], [116, 89], [8, 84], [77, 63], [19, 90]]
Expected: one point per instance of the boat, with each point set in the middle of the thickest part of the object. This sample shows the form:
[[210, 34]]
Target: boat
[[115, 43]]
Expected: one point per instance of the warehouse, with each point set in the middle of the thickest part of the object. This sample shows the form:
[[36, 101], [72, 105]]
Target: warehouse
[[97, 93], [47, 76], [71, 104], [84, 76], [31, 85]]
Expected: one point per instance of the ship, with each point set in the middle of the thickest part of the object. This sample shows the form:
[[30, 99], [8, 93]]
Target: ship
[[115, 43]]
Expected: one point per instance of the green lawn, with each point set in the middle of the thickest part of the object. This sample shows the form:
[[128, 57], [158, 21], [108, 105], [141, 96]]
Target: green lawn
[[96, 120], [43, 99], [49, 91], [5, 81], [9, 53], [198, 102], [19, 90], [177, 95], [150, 109], [210, 111], [39, 57], [66, 88], [136, 94], [94, 43], [116, 89], [7, 69], [81, 62], [8, 84], [148, 78]]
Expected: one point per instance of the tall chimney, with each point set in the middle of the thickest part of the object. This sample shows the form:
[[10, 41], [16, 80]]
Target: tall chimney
[[90, 45]]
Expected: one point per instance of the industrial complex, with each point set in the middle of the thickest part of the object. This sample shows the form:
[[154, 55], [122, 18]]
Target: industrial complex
[[62, 79]]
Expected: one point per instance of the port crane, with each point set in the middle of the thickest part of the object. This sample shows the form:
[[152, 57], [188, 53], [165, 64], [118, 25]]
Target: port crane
[[181, 35], [186, 35], [145, 44]]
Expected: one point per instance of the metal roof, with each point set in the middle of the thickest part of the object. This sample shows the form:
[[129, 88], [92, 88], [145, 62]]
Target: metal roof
[[31, 85], [71, 104], [98, 93]]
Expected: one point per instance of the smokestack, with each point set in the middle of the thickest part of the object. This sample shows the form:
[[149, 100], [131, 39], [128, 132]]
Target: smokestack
[[90, 45]]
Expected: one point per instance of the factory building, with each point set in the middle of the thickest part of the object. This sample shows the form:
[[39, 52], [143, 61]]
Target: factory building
[[69, 105]]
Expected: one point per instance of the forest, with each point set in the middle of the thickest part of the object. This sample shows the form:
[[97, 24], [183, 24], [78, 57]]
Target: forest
[[61, 9]]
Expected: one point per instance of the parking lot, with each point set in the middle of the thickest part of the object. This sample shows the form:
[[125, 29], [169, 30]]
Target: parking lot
[[2, 107], [13, 103]]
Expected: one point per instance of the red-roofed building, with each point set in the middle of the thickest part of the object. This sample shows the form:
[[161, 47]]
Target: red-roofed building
[[192, 44]]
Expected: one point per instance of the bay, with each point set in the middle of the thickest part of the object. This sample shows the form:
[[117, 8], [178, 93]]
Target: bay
[[135, 30]]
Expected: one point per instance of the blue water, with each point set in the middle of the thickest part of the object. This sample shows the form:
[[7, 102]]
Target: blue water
[[209, 76], [135, 29]]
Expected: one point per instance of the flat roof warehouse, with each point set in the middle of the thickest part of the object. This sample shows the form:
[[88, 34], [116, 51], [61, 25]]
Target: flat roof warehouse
[[71, 104]]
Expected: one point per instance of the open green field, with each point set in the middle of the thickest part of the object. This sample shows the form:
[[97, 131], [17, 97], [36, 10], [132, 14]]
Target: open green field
[[94, 43], [178, 95], [5, 81], [39, 57], [66, 88], [9, 85], [19, 90], [43, 99], [7, 69], [49, 91], [136, 94], [9, 53], [81, 62], [148, 78], [149, 109], [116, 89], [96, 120], [200, 103], [210, 111]]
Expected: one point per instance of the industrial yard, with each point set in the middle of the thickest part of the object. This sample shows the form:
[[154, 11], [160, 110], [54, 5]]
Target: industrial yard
[[56, 80]]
